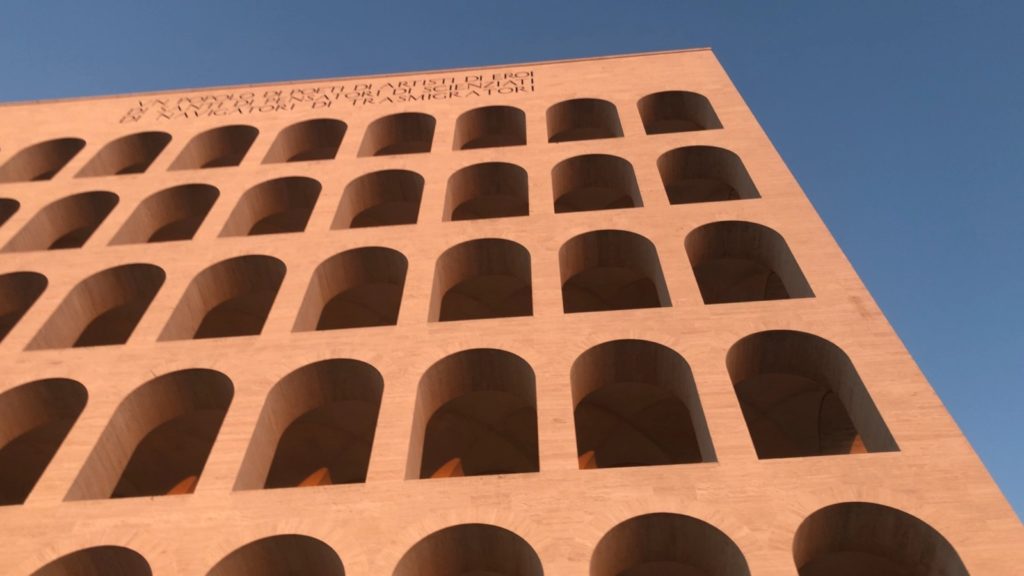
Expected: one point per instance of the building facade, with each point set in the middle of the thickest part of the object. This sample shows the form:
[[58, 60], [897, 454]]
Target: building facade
[[566, 318]]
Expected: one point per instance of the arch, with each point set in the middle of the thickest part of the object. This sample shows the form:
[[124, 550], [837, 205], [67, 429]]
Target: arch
[[130, 154], [484, 278], [855, 538], [217, 147], [384, 198], [158, 439], [666, 543], [18, 292], [98, 561], [489, 127], [230, 298], [64, 223], [354, 289], [41, 161], [316, 428], [487, 190], [317, 139], [594, 182], [170, 214], [103, 309], [471, 549], [677, 111], [583, 119], [404, 133], [8, 207], [704, 174], [611, 270], [34, 420], [636, 404], [274, 207], [743, 262], [801, 396], [281, 555], [476, 414]]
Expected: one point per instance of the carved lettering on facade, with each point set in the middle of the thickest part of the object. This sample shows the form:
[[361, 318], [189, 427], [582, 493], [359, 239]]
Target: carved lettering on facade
[[351, 94]]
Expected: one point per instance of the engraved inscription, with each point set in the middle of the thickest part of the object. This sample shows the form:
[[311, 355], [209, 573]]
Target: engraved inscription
[[362, 93]]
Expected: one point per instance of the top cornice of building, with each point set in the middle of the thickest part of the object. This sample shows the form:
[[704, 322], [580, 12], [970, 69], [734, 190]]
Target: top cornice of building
[[361, 77]]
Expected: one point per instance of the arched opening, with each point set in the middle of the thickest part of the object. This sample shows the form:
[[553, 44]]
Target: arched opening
[[357, 288], [40, 161], [486, 278], [744, 262], [8, 207], [801, 396], [281, 555], [489, 127], [611, 270], [663, 544], [103, 309], [98, 561], [583, 119], [64, 223], [858, 538], [384, 198], [172, 214], [488, 190], [476, 414], [224, 146], [159, 438], [34, 420], [316, 428], [274, 207], [677, 111], [594, 182], [18, 292], [230, 298], [704, 174], [636, 404], [130, 154], [405, 133], [471, 550], [310, 140]]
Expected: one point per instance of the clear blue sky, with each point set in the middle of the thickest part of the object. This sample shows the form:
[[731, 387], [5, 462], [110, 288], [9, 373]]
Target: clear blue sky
[[903, 122]]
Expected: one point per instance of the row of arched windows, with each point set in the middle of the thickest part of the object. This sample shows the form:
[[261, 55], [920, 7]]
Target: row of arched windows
[[403, 133], [602, 270], [384, 198], [635, 403], [859, 538]]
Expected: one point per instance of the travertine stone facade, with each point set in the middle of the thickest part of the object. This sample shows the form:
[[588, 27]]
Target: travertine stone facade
[[572, 318]]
